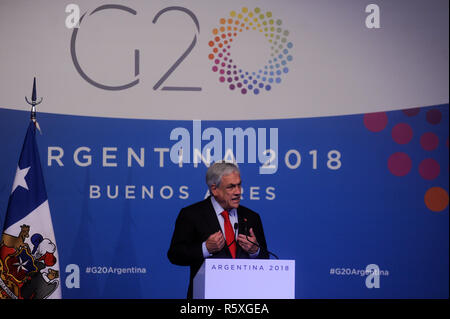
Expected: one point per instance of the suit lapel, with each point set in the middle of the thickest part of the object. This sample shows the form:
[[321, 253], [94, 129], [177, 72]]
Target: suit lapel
[[210, 217]]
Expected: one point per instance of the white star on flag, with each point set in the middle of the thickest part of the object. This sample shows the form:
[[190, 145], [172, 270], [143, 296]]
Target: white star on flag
[[19, 180], [20, 265]]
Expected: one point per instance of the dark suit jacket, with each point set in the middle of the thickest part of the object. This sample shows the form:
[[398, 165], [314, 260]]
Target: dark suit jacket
[[196, 223]]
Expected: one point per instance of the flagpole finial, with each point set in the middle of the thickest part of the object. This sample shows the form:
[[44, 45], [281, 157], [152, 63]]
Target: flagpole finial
[[34, 101]]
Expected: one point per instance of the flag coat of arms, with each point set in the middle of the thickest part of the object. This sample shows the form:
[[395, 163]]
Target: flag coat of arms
[[29, 261]]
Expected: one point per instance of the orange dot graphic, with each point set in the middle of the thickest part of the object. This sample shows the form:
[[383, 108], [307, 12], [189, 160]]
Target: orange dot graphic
[[222, 21], [215, 31], [436, 199], [211, 56], [211, 43]]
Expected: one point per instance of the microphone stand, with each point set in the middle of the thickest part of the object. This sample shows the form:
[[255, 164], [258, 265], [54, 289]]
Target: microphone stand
[[259, 246]]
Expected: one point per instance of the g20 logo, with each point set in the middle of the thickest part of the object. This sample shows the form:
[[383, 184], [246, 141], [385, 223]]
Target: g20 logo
[[236, 77]]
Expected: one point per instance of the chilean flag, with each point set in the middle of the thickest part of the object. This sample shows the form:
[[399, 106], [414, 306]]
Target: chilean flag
[[29, 261]]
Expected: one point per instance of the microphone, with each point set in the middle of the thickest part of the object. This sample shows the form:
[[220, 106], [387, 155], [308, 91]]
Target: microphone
[[236, 225], [256, 244]]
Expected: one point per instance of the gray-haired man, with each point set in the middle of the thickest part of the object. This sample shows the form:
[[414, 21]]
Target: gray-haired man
[[217, 227]]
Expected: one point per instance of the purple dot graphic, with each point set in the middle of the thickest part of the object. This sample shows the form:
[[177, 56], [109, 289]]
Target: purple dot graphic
[[434, 116], [429, 169], [399, 164], [411, 112], [214, 68], [375, 122], [429, 141], [222, 79], [402, 133]]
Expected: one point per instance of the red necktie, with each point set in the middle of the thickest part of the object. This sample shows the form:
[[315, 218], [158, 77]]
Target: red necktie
[[229, 234]]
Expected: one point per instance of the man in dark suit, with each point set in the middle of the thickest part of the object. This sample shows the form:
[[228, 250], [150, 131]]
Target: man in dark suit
[[201, 229]]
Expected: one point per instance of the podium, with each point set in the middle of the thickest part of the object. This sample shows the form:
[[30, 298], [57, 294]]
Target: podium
[[245, 279]]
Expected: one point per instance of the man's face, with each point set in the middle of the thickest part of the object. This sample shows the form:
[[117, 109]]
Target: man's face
[[228, 194]]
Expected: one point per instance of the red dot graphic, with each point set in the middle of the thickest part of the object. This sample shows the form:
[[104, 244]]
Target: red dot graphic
[[375, 122], [429, 141], [402, 133], [429, 169], [399, 164]]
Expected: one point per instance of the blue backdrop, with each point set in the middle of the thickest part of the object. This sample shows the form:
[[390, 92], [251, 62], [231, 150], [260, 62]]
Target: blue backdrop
[[342, 198]]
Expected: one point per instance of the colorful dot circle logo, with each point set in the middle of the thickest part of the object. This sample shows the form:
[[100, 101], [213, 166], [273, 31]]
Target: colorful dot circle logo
[[237, 78]]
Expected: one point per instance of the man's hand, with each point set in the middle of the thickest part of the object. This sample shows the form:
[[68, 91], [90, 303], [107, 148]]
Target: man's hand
[[215, 242], [247, 245]]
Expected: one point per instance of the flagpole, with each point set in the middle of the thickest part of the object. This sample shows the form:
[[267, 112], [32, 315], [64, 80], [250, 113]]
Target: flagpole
[[26, 273], [33, 102]]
